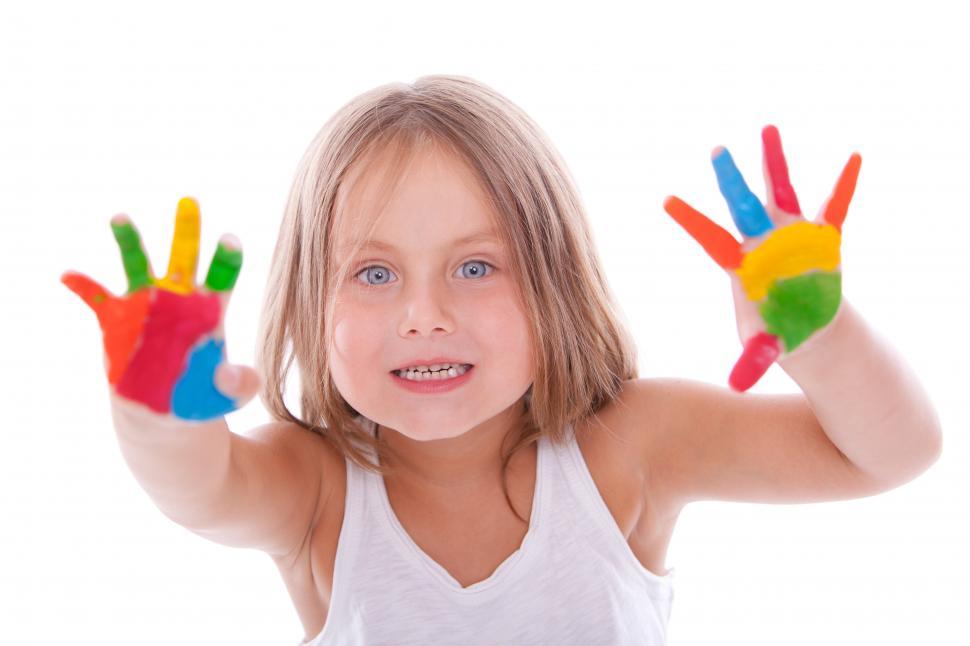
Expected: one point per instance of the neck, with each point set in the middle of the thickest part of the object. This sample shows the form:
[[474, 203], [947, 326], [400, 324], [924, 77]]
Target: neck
[[453, 466]]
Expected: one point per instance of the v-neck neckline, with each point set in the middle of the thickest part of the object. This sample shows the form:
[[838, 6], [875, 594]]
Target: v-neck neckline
[[438, 571]]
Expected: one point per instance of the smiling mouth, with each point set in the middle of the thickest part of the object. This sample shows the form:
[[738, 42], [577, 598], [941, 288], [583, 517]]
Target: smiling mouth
[[447, 371]]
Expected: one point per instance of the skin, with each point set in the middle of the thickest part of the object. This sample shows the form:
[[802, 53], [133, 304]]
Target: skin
[[427, 297], [163, 339], [786, 273]]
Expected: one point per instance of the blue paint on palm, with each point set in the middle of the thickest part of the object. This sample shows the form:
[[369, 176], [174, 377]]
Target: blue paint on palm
[[195, 396], [749, 214]]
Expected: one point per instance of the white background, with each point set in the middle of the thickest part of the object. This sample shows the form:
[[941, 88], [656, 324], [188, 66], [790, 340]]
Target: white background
[[120, 107]]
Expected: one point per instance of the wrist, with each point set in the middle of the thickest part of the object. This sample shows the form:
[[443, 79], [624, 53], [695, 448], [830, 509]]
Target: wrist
[[819, 345]]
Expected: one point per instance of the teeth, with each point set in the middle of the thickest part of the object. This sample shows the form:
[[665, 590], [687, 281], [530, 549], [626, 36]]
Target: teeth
[[433, 372]]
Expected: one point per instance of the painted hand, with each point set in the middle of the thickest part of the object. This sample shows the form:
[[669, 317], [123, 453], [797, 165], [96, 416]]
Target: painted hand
[[163, 339], [787, 273]]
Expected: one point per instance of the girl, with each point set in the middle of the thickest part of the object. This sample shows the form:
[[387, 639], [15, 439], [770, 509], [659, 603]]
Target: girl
[[475, 460]]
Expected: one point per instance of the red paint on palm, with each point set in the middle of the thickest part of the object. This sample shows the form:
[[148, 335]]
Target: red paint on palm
[[174, 324]]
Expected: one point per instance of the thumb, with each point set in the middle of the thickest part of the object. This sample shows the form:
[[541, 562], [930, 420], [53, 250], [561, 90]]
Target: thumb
[[91, 291], [237, 381]]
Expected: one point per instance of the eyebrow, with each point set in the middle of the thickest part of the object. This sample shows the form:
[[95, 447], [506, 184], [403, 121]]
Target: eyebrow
[[481, 236]]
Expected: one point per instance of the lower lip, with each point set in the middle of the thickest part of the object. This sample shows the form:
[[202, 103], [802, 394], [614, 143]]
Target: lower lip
[[433, 386]]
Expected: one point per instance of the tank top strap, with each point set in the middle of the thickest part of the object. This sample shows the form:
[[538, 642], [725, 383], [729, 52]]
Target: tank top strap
[[597, 519]]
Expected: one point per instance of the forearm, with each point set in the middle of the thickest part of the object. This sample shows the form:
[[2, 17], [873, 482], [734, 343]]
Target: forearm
[[181, 466], [868, 401]]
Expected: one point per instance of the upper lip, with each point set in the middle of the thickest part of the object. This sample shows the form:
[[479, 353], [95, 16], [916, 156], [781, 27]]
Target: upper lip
[[430, 362]]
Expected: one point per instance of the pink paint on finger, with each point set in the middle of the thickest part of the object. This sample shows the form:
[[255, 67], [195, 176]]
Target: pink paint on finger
[[781, 188], [760, 352]]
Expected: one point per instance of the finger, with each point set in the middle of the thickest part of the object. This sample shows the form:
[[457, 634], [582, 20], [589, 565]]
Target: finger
[[759, 353], [184, 256], [746, 209], [91, 292], [781, 194], [121, 320], [837, 206], [138, 270], [240, 382], [225, 265], [717, 242]]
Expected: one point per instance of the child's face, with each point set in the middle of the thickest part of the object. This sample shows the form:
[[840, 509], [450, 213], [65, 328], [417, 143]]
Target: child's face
[[429, 297]]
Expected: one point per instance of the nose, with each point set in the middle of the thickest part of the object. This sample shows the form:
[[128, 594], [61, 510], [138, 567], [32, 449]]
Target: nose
[[426, 311]]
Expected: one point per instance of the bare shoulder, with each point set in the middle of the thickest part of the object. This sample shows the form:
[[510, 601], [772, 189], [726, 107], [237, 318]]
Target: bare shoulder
[[630, 430], [616, 442]]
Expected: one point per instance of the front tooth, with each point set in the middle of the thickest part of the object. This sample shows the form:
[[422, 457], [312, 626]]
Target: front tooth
[[451, 370]]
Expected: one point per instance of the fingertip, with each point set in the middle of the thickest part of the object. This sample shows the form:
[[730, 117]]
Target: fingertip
[[672, 205], [231, 242], [769, 131], [70, 279], [188, 205], [120, 218], [227, 379], [716, 151]]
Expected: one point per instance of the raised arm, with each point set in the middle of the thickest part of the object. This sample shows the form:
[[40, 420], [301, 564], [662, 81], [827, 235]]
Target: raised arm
[[863, 425], [170, 387], [263, 490]]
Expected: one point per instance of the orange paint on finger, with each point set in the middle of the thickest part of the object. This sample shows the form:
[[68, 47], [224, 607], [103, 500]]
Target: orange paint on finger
[[838, 204], [121, 319], [720, 245]]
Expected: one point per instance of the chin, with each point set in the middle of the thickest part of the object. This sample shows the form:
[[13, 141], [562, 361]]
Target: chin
[[426, 435], [426, 428]]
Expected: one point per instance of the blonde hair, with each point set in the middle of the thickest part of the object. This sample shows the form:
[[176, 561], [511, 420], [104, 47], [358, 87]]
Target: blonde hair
[[583, 351]]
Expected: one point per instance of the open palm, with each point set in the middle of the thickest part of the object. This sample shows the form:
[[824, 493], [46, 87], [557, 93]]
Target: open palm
[[787, 274], [163, 339]]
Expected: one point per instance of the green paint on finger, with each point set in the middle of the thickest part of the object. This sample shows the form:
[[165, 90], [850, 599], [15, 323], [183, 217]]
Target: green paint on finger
[[795, 308], [132, 255], [224, 269]]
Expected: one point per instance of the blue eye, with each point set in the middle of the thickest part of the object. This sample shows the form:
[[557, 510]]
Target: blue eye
[[478, 272], [380, 273]]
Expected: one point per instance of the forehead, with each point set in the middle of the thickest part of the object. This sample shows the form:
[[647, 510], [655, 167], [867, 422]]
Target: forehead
[[428, 194]]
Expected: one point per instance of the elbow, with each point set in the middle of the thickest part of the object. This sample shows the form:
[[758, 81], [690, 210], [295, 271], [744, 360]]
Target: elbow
[[919, 458], [936, 445], [933, 434], [929, 453]]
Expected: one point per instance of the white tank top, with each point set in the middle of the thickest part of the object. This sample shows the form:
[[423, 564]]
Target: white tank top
[[573, 580]]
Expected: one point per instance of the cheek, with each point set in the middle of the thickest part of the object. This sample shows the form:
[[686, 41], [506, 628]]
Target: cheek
[[503, 331], [356, 336]]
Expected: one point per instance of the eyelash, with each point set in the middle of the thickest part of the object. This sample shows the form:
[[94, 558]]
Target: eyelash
[[368, 285]]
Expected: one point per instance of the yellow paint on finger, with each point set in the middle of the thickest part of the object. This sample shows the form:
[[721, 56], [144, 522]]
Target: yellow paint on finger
[[789, 251], [184, 257]]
